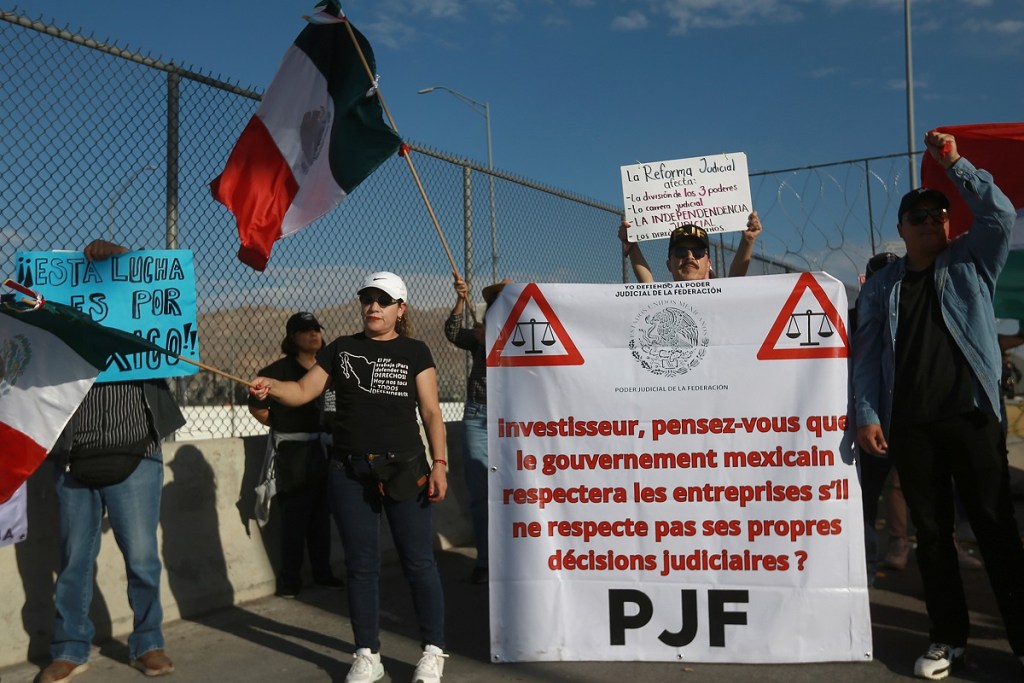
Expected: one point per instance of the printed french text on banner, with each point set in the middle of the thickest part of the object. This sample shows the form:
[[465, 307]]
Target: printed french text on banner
[[151, 294], [712, 192], [669, 474]]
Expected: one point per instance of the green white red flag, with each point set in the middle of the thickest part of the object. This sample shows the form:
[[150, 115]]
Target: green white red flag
[[998, 148], [317, 134], [50, 355]]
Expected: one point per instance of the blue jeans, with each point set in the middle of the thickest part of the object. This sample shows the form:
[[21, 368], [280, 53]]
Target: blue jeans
[[474, 459], [133, 508], [357, 511]]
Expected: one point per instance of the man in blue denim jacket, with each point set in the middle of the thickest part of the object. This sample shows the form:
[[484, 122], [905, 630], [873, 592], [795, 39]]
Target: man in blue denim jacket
[[926, 371]]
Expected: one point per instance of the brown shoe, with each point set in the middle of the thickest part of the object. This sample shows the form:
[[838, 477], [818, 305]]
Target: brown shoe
[[154, 663], [62, 670]]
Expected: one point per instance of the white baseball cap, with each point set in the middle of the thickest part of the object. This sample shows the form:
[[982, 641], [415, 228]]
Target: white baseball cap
[[386, 282]]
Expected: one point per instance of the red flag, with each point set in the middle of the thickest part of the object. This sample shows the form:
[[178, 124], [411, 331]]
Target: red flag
[[996, 147]]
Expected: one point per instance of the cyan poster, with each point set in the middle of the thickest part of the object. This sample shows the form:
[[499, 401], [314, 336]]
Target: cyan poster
[[150, 293]]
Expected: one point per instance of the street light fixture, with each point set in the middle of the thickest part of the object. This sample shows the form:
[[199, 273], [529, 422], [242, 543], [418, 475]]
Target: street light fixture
[[484, 109], [114, 197]]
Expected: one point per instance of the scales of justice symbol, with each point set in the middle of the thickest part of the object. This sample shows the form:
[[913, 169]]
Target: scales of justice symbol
[[794, 331], [547, 338]]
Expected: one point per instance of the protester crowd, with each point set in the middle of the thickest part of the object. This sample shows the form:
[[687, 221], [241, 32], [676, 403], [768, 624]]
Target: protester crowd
[[928, 379]]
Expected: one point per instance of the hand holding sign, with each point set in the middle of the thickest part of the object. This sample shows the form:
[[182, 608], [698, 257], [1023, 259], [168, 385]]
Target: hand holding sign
[[712, 192]]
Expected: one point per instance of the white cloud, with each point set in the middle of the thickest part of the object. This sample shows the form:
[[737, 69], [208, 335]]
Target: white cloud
[[634, 21], [390, 32], [696, 14], [823, 72], [437, 9], [1006, 27]]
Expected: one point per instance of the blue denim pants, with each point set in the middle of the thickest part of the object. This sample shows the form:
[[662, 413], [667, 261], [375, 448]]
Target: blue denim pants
[[133, 508], [474, 459], [357, 511]]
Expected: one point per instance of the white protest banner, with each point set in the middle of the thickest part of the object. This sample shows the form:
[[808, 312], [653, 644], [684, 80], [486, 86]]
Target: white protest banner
[[14, 518], [712, 192], [150, 293], [669, 476]]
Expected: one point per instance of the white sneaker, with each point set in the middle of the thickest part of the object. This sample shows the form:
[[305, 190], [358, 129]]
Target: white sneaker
[[430, 666], [367, 667], [938, 661]]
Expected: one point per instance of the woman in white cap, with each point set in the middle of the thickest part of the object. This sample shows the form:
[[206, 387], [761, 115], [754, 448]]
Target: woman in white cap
[[381, 377]]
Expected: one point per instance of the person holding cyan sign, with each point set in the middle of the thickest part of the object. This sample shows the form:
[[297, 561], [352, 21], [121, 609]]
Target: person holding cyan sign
[[108, 462]]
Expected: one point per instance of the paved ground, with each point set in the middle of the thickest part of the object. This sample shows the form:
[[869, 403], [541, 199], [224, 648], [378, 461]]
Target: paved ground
[[274, 639]]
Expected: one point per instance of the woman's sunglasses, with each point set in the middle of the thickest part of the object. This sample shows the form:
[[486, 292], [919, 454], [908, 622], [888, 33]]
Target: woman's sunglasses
[[383, 299]]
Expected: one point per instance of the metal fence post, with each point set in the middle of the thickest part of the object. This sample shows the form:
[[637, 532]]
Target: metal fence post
[[467, 254]]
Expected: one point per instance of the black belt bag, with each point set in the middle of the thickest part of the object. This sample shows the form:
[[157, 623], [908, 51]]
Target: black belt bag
[[399, 476], [99, 467]]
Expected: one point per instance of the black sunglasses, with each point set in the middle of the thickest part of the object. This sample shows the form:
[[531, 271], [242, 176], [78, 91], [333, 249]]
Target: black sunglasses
[[383, 299], [698, 252], [919, 216]]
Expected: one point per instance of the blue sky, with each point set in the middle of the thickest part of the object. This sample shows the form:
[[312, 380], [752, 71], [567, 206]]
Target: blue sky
[[578, 88]]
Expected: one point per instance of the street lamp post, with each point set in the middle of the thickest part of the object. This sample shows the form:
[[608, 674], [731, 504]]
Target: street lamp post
[[483, 108], [114, 197], [910, 94]]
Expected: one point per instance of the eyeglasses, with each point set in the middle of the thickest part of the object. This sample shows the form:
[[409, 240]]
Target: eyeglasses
[[383, 299], [698, 252], [919, 216]]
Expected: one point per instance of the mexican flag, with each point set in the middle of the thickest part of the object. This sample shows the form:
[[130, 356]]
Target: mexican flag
[[998, 148], [317, 134], [49, 358]]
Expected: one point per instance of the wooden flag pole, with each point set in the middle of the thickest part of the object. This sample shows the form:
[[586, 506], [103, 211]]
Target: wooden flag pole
[[212, 369], [36, 301], [404, 152]]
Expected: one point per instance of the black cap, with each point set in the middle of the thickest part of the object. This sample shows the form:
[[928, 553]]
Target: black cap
[[911, 198], [302, 321], [688, 233], [877, 262]]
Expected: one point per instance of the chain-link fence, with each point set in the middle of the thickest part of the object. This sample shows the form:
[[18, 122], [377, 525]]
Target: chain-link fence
[[100, 142]]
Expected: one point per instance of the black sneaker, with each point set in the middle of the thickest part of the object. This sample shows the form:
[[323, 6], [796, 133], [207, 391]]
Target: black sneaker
[[288, 590], [331, 583], [938, 661]]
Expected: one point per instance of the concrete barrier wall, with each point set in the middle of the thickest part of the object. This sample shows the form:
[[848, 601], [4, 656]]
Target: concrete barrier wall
[[214, 553]]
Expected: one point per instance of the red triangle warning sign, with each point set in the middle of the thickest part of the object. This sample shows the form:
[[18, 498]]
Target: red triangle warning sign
[[536, 337], [811, 324]]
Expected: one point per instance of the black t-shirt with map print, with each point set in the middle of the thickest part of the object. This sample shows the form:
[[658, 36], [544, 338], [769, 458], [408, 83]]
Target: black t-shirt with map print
[[375, 392]]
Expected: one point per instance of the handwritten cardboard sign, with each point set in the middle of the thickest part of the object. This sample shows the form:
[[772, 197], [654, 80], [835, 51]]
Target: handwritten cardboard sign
[[151, 294], [712, 192]]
